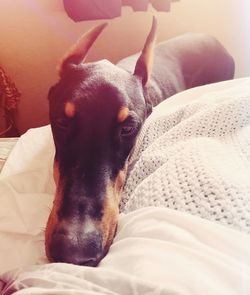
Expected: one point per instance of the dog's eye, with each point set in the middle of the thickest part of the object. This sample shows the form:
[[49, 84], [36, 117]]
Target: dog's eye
[[130, 127], [62, 122], [127, 130]]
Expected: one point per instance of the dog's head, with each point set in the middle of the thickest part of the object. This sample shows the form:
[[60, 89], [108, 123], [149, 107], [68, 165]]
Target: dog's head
[[96, 112]]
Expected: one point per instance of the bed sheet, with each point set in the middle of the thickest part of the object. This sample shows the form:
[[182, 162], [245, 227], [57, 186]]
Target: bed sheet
[[6, 145], [156, 251]]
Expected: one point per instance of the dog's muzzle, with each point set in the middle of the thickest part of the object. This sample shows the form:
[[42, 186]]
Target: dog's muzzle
[[71, 243]]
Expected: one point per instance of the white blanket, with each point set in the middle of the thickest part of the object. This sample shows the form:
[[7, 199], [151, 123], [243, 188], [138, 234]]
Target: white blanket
[[196, 159], [156, 250]]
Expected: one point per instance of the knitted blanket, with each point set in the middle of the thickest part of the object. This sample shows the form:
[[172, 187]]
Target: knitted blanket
[[196, 159]]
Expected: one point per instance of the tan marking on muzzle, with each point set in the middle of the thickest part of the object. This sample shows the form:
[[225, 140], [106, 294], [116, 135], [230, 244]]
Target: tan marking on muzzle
[[53, 218], [111, 209], [70, 109], [123, 114]]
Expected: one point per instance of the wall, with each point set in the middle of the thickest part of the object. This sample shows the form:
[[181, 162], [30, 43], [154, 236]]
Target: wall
[[35, 34]]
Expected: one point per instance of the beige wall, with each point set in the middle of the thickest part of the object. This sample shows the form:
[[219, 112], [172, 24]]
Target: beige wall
[[36, 33]]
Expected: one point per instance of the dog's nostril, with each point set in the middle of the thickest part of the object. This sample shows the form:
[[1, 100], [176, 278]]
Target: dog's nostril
[[76, 249], [89, 262]]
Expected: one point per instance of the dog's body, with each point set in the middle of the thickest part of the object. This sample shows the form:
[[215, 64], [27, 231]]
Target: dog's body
[[96, 111], [186, 61]]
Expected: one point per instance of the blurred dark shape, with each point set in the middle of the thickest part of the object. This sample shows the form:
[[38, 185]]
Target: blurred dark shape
[[80, 10]]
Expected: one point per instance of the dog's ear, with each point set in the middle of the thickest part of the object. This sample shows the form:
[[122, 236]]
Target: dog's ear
[[79, 50], [144, 63]]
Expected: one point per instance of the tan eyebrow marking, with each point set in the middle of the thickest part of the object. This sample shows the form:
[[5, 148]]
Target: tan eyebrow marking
[[123, 114], [70, 109]]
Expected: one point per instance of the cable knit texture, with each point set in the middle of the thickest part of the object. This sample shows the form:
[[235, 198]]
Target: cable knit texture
[[196, 159]]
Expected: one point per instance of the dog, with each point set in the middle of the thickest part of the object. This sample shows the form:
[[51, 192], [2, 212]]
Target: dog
[[96, 111]]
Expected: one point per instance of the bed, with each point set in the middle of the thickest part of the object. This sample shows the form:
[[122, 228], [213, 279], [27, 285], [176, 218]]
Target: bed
[[6, 145], [185, 213]]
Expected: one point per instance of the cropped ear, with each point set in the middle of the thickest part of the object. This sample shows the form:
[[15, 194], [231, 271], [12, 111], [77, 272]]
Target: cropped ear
[[77, 53], [144, 63]]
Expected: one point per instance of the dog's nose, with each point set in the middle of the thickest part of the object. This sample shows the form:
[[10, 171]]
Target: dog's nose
[[76, 248]]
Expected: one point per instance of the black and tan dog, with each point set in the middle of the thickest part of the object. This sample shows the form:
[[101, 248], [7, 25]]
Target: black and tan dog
[[96, 111]]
